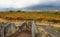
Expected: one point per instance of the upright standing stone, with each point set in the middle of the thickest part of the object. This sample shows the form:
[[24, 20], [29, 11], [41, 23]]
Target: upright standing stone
[[1, 30], [34, 29], [10, 28]]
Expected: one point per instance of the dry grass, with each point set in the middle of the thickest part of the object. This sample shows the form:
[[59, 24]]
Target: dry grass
[[30, 15]]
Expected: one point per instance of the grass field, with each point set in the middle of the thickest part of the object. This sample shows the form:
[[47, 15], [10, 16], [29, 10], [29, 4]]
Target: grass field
[[6, 17], [31, 15]]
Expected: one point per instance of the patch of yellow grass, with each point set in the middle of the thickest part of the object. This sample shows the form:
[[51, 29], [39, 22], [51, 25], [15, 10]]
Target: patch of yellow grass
[[30, 15]]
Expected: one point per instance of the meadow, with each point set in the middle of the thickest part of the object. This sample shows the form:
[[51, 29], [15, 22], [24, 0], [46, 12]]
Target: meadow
[[46, 21], [34, 15]]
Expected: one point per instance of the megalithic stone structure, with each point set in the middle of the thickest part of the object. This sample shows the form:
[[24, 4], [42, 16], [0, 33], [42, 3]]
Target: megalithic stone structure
[[9, 29], [34, 29], [1, 30]]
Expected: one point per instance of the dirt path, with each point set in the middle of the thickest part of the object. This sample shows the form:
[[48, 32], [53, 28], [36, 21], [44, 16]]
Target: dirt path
[[21, 34]]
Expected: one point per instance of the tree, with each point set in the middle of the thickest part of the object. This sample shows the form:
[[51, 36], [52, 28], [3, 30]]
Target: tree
[[18, 10], [11, 11]]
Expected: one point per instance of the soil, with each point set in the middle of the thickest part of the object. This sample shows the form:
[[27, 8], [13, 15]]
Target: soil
[[21, 34]]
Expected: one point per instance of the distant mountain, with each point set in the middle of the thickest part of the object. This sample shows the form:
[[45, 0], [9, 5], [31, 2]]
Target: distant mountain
[[34, 7], [42, 7], [9, 9]]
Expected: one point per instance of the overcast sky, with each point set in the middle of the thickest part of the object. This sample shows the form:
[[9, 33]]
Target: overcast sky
[[25, 3]]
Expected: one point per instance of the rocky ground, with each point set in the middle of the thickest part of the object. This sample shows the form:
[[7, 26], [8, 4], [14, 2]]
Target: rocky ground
[[45, 30], [21, 34]]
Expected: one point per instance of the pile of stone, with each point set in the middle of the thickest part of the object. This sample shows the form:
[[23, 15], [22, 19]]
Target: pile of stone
[[8, 29]]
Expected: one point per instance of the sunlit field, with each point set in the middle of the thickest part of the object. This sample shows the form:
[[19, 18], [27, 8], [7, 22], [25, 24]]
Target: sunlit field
[[31, 15], [47, 22]]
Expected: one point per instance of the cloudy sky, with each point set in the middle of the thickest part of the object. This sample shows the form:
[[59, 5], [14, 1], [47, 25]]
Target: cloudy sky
[[25, 3]]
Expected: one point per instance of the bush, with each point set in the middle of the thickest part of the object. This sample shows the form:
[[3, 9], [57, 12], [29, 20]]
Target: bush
[[57, 13], [19, 11], [11, 11]]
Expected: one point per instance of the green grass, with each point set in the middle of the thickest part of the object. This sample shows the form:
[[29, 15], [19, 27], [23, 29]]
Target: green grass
[[53, 28], [56, 29]]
